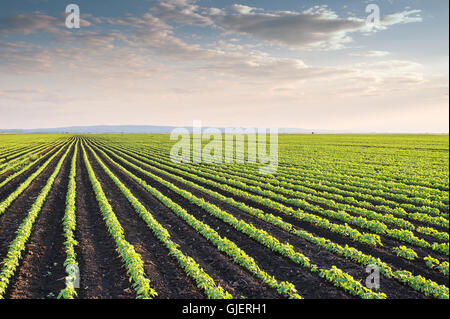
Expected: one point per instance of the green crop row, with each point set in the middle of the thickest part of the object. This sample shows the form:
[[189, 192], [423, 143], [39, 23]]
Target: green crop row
[[405, 252], [436, 264], [69, 226]]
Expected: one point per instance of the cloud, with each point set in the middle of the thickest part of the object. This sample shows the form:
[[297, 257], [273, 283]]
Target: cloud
[[24, 58], [306, 30], [30, 23], [317, 28], [262, 68], [151, 32], [32, 95], [370, 54], [180, 11], [108, 52], [381, 79], [390, 65], [243, 9], [401, 18], [104, 51], [91, 39]]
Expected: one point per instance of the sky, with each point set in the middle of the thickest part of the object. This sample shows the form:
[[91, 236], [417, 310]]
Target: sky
[[308, 64]]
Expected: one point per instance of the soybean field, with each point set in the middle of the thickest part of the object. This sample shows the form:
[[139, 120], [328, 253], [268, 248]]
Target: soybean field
[[112, 216]]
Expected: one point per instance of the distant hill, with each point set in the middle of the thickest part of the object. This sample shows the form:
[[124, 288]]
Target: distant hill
[[96, 129], [133, 129]]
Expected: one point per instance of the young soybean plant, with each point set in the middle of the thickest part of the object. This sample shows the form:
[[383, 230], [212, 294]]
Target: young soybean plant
[[404, 252], [434, 263]]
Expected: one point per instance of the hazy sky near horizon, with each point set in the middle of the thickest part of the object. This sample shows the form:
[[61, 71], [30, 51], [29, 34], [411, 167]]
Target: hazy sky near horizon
[[258, 63]]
